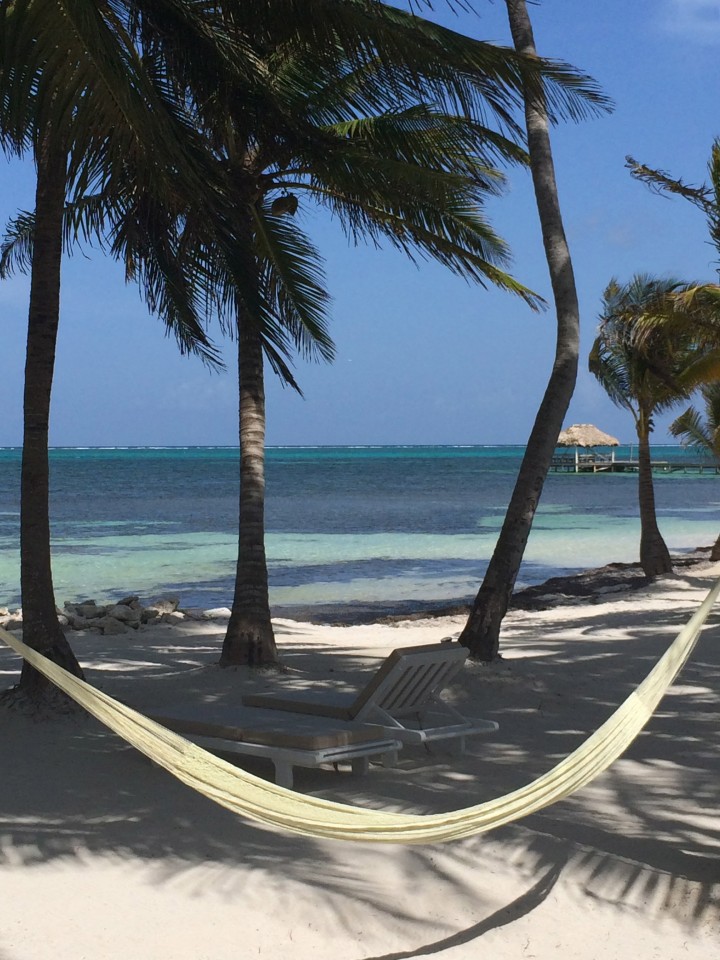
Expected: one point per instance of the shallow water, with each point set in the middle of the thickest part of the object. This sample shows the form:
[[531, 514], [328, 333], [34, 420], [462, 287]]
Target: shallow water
[[346, 525]]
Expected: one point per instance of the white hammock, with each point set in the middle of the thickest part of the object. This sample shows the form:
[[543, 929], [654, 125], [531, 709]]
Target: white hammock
[[268, 803]]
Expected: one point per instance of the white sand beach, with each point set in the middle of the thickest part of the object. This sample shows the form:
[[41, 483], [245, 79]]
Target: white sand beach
[[105, 856]]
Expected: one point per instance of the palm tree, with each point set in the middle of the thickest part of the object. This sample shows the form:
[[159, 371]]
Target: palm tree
[[648, 365], [409, 173], [481, 633], [75, 91], [107, 119], [702, 434], [398, 173]]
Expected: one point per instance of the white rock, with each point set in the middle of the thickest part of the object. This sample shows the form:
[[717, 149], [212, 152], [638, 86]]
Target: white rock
[[164, 604], [195, 613], [219, 613]]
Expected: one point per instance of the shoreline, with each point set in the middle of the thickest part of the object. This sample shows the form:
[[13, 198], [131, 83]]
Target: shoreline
[[589, 585]]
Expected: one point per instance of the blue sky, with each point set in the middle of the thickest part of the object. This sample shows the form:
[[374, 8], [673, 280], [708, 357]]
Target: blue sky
[[422, 357]]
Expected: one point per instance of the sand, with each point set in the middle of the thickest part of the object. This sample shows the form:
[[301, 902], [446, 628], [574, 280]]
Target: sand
[[105, 856]]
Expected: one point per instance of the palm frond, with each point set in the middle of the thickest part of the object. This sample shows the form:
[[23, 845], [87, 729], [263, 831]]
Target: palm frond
[[691, 430], [17, 246], [293, 277], [699, 369], [608, 367], [662, 183], [648, 350]]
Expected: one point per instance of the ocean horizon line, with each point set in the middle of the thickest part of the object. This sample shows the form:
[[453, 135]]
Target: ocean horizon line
[[310, 446]]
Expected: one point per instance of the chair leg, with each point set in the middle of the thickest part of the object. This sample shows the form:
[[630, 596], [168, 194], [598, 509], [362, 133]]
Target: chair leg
[[283, 773], [360, 765], [389, 759]]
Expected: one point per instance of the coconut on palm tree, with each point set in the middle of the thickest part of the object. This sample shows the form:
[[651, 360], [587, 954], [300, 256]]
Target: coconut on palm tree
[[648, 359]]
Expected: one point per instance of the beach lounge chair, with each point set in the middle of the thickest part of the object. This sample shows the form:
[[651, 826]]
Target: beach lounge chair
[[286, 741], [403, 698]]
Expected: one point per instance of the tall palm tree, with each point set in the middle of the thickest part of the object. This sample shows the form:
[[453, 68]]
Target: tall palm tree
[[409, 174], [647, 365], [481, 633], [702, 432], [384, 167], [78, 69], [75, 91]]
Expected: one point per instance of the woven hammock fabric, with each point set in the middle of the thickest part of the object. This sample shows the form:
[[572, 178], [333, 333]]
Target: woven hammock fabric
[[259, 800]]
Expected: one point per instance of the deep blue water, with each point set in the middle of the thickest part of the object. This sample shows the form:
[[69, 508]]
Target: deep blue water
[[346, 525]]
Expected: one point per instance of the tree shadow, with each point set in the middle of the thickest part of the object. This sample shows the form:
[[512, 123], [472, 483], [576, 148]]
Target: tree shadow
[[519, 907], [636, 835]]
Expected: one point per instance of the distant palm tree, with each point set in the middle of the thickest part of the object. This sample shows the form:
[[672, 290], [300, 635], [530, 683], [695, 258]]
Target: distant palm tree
[[647, 366], [702, 433]]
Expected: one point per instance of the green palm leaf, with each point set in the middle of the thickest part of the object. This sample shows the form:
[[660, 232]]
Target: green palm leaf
[[293, 276]]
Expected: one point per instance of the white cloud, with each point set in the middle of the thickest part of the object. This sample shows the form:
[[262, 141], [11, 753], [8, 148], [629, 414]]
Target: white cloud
[[695, 20]]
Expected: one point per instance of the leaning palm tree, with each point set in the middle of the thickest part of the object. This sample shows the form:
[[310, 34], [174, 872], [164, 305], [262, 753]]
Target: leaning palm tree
[[435, 62], [702, 433], [219, 60], [647, 365], [481, 633]]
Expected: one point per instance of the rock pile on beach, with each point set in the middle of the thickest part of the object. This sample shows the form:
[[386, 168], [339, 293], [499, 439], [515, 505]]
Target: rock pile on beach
[[113, 618]]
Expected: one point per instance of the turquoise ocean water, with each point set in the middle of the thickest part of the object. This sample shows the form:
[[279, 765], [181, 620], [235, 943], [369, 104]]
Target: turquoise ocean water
[[352, 527]]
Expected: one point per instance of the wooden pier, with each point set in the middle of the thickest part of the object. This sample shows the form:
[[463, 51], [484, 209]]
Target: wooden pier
[[597, 463]]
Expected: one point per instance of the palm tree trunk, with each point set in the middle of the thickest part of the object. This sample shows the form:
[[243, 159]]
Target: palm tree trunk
[[482, 631], [715, 552], [249, 638], [654, 554], [41, 629]]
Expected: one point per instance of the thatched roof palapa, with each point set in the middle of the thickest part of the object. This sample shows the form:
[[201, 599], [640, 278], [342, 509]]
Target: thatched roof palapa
[[586, 435]]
